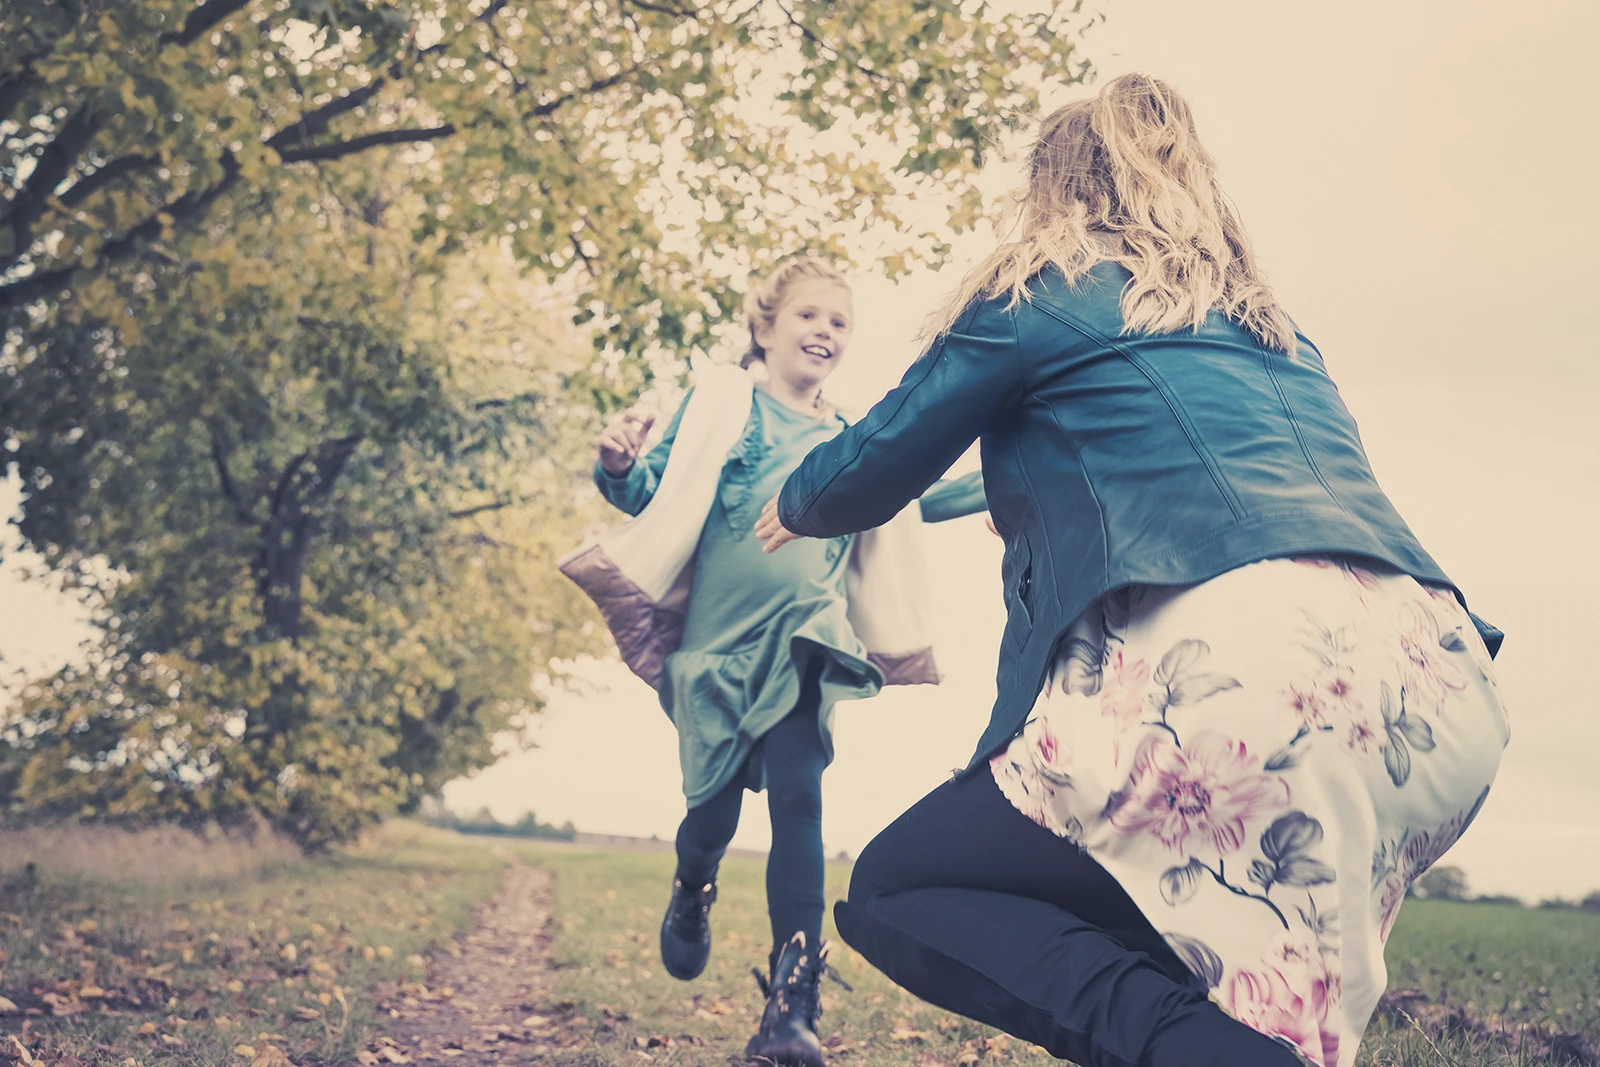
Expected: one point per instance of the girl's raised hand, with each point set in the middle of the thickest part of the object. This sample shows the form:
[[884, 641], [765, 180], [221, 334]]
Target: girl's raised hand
[[622, 440], [770, 530]]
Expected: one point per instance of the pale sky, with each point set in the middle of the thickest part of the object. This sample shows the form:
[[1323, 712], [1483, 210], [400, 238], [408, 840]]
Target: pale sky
[[1417, 179]]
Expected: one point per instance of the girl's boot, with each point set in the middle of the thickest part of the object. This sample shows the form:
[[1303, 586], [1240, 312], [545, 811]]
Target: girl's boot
[[788, 1033], [686, 930]]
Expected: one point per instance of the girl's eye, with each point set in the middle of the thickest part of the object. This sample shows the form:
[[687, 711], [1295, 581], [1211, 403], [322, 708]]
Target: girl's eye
[[806, 315]]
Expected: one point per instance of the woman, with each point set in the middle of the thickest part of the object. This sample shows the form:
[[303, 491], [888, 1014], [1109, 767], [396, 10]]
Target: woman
[[1240, 707]]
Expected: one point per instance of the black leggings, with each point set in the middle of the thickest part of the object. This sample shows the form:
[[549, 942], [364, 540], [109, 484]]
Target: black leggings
[[793, 758], [972, 906]]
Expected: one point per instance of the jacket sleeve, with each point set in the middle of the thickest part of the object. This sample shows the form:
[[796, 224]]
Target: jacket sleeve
[[862, 478], [632, 492], [953, 498]]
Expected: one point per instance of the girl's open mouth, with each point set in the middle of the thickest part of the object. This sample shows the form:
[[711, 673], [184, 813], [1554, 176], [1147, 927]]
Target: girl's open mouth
[[818, 351]]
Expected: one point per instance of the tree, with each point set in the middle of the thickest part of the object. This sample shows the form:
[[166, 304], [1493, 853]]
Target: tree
[[261, 311], [318, 506], [577, 128], [1442, 883]]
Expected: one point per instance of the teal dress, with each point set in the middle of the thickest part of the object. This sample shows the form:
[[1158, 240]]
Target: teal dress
[[757, 622]]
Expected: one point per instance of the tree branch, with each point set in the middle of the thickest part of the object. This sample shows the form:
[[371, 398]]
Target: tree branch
[[201, 19], [340, 149], [90, 184], [811, 35], [316, 122], [469, 512], [506, 401], [226, 480], [661, 9], [55, 162], [14, 86], [593, 87], [186, 207]]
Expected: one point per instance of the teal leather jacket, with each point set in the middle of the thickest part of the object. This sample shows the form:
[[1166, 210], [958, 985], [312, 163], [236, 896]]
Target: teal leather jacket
[[1111, 460]]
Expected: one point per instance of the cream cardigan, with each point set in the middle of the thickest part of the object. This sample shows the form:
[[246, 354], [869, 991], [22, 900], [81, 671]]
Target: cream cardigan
[[639, 573]]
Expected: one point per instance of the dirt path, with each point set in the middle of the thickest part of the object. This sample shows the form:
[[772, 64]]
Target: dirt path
[[488, 1001]]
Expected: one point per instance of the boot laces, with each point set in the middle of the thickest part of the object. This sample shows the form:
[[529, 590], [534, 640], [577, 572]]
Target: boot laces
[[801, 989], [691, 909]]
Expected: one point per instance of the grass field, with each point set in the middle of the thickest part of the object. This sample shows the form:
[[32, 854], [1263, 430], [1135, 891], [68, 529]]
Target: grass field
[[290, 960], [1505, 965], [128, 964]]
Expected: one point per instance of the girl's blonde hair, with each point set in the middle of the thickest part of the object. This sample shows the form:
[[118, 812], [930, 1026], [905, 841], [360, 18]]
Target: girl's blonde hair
[[1123, 177], [765, 296]]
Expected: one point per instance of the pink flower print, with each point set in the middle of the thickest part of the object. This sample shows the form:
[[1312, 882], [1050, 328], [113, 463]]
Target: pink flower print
[[1339, 684], [1391, 894], [1361, 736], [1423, 849], [1425, 669], [1264, 1001], [1123, 695], [1047, 748], [1360, 578], [1197, 799], [1307, 703]]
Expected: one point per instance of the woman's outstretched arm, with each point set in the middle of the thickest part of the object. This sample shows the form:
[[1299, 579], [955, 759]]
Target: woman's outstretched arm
[[862, 478]]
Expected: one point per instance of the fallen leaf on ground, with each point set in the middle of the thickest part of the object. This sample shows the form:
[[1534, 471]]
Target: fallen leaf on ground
[[901, 1033], [272, 1056], [7, 1007]]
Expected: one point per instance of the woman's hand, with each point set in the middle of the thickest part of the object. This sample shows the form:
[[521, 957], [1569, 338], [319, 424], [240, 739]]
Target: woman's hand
[[988, 520], [621, 441], [770, 530]]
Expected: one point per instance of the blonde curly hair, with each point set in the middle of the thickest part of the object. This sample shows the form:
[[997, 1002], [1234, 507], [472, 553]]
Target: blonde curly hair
[[1123, 177]]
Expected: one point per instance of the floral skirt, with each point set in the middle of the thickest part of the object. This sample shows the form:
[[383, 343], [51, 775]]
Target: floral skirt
[[1264, 762]]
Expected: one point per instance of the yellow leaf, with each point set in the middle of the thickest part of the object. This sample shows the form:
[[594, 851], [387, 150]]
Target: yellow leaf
[[7, 1008], [246, 1051], [147, 1029], [91, 992]]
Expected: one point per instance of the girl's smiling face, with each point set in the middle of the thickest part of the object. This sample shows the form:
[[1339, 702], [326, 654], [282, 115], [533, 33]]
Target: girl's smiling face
[[808, 336]]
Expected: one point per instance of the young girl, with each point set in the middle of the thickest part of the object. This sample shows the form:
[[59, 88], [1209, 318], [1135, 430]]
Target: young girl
[[767, 644], [1240, 706]]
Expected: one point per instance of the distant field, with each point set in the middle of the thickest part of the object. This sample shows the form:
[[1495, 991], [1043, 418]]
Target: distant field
[[1531, 966]]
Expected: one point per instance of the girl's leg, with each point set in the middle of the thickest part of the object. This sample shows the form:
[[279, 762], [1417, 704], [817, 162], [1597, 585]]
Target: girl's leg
[[704, 834], [794, 759], [970, 905]]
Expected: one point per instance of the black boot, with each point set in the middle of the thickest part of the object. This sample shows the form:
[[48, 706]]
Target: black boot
[[788, 1033], [686, 931]]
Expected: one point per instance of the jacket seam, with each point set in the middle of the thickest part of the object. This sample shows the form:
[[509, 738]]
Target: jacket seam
[[1299, 435], [1100, 511], [1195, 547], [1159, 385]]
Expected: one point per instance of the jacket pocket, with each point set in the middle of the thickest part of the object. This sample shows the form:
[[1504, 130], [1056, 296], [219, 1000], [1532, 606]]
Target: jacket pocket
[[1017, 574]]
